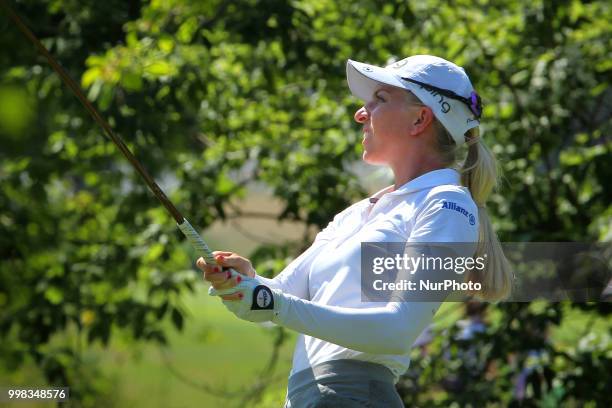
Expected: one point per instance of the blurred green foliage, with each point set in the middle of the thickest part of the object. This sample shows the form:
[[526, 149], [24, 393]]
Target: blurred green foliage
[[213, 95]]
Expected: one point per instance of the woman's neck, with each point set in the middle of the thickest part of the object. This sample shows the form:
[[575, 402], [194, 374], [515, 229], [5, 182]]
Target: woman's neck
[[411, 168]]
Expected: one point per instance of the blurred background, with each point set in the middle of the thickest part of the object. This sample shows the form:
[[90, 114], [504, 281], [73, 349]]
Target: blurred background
[[241, 111]]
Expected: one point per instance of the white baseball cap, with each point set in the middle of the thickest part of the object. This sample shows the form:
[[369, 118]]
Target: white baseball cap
[[438, 83]]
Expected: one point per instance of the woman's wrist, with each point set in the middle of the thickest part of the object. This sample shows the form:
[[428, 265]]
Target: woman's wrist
[[282, 306]]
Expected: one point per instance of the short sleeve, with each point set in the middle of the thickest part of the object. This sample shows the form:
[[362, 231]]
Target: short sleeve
[[446, 216]]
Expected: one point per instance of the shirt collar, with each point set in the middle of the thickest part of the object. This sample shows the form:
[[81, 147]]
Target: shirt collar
[[427, 180]]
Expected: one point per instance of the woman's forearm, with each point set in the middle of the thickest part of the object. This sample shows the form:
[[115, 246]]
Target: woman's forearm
[[389, 329]]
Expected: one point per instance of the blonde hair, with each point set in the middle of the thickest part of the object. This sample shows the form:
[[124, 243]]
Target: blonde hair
[[479, 174]]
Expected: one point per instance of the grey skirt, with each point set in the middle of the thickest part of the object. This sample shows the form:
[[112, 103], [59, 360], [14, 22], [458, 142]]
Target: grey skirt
[[343, 384]]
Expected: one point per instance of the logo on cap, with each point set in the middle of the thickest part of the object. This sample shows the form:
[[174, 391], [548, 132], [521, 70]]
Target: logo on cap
[[366, 68], [445, 106]]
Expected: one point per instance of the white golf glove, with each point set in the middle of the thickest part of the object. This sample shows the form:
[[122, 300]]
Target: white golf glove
[[259, 303]]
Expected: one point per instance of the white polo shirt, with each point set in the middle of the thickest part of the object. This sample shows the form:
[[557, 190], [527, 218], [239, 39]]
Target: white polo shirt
[[324, 283]]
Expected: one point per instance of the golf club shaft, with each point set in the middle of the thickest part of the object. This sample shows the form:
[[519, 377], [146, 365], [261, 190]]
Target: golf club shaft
[[190, 233]]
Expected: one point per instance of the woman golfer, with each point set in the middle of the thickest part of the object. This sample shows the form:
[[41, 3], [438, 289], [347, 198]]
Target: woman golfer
[[420, 117]]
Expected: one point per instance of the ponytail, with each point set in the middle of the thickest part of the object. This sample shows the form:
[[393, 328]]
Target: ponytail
[[479, 175]]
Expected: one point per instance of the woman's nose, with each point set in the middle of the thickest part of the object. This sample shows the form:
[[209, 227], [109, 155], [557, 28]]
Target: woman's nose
[[361, 115]]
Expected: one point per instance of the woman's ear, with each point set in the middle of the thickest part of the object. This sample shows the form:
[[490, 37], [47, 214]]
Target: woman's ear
[[422, 120]]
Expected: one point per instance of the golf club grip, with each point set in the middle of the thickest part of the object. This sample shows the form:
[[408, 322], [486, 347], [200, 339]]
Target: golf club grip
[[199, 244], [196, 240]]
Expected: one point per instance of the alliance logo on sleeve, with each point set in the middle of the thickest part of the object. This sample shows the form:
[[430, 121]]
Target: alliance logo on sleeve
[[449, 205]]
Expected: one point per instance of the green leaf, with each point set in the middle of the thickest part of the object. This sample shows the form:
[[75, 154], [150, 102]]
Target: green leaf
[[131, 81], [177, 319], [90, 76], [54, 295], [159, 68]]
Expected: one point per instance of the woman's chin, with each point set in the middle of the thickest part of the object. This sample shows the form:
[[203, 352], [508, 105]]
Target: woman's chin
[[370, 158]]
